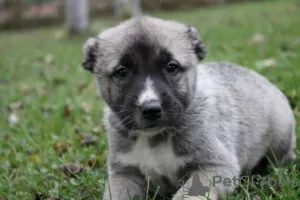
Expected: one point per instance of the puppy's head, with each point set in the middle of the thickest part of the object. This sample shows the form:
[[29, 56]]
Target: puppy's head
[[145, 68]]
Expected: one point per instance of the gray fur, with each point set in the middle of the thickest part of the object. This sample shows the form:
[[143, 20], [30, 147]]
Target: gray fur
[[233, 119], [158, 139]]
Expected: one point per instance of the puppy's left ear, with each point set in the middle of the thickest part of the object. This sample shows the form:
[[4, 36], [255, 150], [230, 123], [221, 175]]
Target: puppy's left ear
[[90, 49], [196, 41]]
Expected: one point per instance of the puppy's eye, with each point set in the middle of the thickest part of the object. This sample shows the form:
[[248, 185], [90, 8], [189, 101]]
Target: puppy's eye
[[121, 73], [172, 68]]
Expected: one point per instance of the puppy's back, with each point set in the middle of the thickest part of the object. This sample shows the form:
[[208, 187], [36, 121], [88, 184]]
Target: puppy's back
[[261, 112]]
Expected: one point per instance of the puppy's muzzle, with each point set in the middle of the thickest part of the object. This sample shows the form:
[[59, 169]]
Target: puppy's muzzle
[[151, 110]]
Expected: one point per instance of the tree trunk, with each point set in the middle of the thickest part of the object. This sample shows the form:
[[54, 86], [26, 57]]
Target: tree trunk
[[136, 7], [77, 15], [120, 8], [17, 13]]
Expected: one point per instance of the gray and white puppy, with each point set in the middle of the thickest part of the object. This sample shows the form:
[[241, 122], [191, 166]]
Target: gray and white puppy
[[168, 116]]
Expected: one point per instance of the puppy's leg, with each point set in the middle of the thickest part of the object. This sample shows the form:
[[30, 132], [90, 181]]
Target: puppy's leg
[[212, 183], [123, 187], [282, 151]]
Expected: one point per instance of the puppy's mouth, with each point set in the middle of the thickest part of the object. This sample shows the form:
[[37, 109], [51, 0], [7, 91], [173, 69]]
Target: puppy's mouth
[[149, 131], [149, 124]]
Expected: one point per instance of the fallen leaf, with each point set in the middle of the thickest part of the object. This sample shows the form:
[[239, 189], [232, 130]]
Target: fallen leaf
[[34, 158], [257, 39], [88, 139], [85, 107], [266, 63], [7, 137], [61, 147], [98, 161], [96, 129], [43, 92], [15, 105], [92, 163], [26, 90], [49, 59], [68, 109], [13, 119], [71, 168]]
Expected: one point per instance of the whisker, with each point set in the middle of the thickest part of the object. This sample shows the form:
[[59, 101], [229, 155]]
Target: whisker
[[131, 97], [115, 105], [124, 110], [121, 122]]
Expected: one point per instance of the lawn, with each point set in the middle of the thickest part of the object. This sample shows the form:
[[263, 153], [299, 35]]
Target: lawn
[[50, 114]]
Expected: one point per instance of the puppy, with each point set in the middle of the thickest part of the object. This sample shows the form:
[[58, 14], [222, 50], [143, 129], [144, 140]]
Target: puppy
[[168, 117]]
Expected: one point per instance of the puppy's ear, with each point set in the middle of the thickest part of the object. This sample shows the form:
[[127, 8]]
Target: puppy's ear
[[196, 41], [90, 49]]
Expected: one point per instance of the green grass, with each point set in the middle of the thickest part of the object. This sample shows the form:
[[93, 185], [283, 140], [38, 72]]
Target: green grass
[[42, 71]]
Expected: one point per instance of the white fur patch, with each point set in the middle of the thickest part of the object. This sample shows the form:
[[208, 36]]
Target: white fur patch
[[153, 161], [148, 93]]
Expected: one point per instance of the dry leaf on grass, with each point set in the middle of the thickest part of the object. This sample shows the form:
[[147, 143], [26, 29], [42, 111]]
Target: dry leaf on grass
[[85, 107], [92, 163], [68, 109], [97, 161], [13, 119], [61, 147], [96, 129], [49, 59], [7, 137], [34, 158], [261, 64], [257, 39], [71, 169], [43, 92], [88, 139], [15, 105], [25, 89]]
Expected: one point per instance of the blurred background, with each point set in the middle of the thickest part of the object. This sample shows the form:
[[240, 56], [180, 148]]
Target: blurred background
[[17, 14], [53, 143]]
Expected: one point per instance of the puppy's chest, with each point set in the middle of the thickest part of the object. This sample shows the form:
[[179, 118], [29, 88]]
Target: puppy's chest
[[154, 162]]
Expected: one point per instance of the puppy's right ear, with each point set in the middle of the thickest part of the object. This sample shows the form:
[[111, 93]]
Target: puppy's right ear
[[90, 49]]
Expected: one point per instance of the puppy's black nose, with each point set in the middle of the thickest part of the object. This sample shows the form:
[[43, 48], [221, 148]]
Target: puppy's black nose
[[151, 110]]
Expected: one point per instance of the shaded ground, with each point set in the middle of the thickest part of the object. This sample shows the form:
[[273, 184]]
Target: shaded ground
[[48, 103]]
